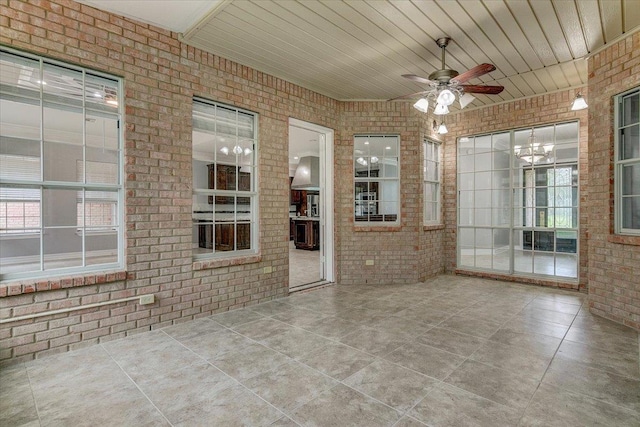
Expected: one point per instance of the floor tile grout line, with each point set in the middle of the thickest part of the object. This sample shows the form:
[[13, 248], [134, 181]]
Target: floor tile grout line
[[382, 357], [547, 369], [33, 395], [237, 382], [136, 385]]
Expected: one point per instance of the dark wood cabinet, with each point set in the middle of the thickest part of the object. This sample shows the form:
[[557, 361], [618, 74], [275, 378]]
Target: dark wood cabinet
[[306, 234], [227, 236], [223, 177]]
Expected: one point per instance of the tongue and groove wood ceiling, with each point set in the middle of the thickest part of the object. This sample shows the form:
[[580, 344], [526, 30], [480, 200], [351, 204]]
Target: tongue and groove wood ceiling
[[358, 49]]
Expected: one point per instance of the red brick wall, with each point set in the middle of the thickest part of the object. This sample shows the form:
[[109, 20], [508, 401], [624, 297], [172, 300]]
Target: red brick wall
[[614, 261], [161, 75], [545, 109]]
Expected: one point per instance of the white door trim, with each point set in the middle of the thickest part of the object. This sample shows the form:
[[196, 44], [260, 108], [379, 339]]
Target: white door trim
[[327, 220]]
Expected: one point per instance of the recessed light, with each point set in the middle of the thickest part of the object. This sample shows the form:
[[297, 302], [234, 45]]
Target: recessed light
[[295, 157], [387, 148]]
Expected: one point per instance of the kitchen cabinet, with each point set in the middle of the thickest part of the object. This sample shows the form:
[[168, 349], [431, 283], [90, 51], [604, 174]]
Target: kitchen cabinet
[[224, 178], [307, 234], [226, 236]]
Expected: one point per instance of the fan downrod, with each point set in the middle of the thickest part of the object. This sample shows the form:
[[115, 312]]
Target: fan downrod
[[443, 75]]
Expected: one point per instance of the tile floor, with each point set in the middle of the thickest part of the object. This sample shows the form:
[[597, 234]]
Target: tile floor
[[453, 351], [304, 266]]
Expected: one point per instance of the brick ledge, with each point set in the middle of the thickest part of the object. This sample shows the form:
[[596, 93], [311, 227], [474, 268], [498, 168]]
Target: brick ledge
[[226, 262], [624, 240], [41, 285]]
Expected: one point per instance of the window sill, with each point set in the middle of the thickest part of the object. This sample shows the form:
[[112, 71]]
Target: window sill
[[225, 262], [433, 227], [40, 285], [624, 239], [381, 227]]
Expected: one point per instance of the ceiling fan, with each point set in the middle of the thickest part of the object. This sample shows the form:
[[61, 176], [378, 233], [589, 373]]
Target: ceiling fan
[[445, 84]]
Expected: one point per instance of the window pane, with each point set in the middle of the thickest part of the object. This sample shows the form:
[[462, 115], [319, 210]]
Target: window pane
[[99, 172], [62, 248], [60, 160], [63, 85], [20, 254], [501, 255], [466, 199], [101, 94], [20, 119], [390, 167], [482, 144], [101, 248], [631, 213], [20, 76], [59, 207], [502, 160], [630, 109], [467, 244], [483, 199], [501, 141], [63, 124], [19, 216], [102, 131], [630, 142], [465, 164], [631, 180]]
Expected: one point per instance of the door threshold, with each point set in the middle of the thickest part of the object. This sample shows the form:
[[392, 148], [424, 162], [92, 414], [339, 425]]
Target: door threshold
[[312, 285]]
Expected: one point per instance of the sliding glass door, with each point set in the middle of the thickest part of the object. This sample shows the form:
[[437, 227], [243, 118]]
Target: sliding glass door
[[518, 201]]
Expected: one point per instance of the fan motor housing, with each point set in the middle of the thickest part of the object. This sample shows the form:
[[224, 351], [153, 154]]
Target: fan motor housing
[[443, 75]]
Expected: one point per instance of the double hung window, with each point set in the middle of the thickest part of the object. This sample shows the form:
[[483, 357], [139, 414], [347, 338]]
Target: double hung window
[[431, 177], [60, 168], [377, 179], [225, 196], [627, 163]]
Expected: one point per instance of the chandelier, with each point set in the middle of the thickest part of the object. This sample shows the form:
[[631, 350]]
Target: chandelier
[[533, 151]]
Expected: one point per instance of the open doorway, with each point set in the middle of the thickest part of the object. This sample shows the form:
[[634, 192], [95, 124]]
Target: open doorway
[[310, 205]]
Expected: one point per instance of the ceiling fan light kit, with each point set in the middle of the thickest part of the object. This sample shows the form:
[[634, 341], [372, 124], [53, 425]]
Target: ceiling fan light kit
[[422, 105], [445, 84], [440, 109]]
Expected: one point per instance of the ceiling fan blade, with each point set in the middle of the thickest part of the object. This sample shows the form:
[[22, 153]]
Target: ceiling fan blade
[[488, 90], [409, 96], [417, 79], [476, 71]]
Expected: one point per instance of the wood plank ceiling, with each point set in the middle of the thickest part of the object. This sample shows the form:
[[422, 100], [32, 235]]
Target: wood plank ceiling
[[358, 49]]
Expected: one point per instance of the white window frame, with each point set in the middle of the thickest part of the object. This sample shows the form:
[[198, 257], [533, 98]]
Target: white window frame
[[620, 164], [435, 183], [82, 97], [511, 219], [361, 200], [239, 217]]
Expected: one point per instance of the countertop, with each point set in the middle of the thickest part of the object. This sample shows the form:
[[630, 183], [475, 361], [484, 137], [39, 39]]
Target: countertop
[[304, 218]]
